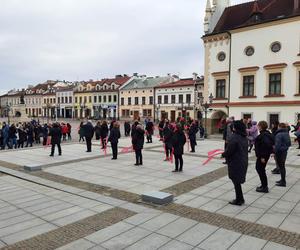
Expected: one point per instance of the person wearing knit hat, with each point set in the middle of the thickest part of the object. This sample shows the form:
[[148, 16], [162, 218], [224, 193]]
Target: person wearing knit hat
[[236, 155]]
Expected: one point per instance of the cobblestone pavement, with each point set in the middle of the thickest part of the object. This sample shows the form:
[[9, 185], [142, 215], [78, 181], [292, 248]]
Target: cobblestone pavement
[[87, 201]]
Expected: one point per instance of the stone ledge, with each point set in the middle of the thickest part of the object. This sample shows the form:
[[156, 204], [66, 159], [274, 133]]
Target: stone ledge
[[156, 197]]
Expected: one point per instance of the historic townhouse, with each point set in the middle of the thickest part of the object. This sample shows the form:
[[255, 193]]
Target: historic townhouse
[[65, 102], [106, 97], [83, 100], [137, 97], [252, 59], [179, 98], [49, 103]]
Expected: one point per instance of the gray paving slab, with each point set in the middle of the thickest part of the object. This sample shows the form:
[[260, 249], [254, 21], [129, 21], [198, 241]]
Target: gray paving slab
[[81, 244], [275, 246], [16, 220], [73, 217], [248, 243], [220, 240], [142, 218], [126, 239], [159, 222], [109, 232], [153, 241], [174, 244]]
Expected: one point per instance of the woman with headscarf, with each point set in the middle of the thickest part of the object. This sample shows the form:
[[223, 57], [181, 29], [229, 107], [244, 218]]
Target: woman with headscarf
[[236, 155]]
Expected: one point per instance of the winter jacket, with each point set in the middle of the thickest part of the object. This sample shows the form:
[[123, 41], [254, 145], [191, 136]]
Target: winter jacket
[[178, 142], [55, 134], [149, 128], [192, 133], [264, 144], [138, 139], [104, 131], [236, 155], [282, 141], [167, 133], [88, 130], [114, 135]]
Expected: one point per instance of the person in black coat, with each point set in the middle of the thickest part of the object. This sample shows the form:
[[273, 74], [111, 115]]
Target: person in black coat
[[178, 140], [264, 147], [274, 129], [161, 125], [88, 130], [138, 138], [236, 155], [127, 128], [103, 133], [56, 134], [282, 145], [113, 138], [167, 135], [192, 136], [98, 131], [150, 130]]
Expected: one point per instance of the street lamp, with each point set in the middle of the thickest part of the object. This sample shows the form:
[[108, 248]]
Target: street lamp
[[157, 111], [8, 109], [205, 107]]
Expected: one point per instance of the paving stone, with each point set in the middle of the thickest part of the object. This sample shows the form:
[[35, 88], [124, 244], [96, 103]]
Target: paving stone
[[81, 244], [126, 239], [109, 232], [248, 243], [221, 239], [160, 198], [197, 234], [174, 244], [275, 246], [159, 221], [73, 217], [16, 220], [177, 227], [153, 241], [142, 217]]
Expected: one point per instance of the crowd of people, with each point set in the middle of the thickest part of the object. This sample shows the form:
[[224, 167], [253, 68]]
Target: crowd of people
[[27, 134], [240, 136]]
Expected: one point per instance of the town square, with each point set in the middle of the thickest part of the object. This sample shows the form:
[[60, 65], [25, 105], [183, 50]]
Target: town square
[[151, 160]]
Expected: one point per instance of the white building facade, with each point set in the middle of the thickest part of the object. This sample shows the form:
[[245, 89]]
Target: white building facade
[[252, 67]]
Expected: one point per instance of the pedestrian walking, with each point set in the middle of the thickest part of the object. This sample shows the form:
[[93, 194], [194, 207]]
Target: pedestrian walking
[[104, 133], [236, 155], [127, 128], [282, 145], [55, 134], [192, 132], [264, 147], [81, 132], [149, 130], [167, 139], [69, 131], [113, 138], [178, 141]]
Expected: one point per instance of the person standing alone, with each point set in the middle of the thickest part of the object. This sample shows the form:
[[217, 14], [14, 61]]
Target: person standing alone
[[113, 138], [88, 134], [178, 141], [264, 147], [56, 134]]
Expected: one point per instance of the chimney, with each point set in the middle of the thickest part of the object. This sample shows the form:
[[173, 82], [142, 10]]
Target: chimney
[[296, 5]]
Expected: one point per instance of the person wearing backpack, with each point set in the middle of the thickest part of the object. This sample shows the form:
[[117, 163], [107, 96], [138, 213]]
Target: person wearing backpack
[[264, 147]]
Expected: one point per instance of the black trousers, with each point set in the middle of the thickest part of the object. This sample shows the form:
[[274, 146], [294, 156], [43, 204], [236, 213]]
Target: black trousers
[[139, 156], [238, 192], [88, 144], [103, 142], [281, 158], [149, 138], [261, 170], [178, 162], [53, 148], [114, 147], [193, 144], [168, 151]]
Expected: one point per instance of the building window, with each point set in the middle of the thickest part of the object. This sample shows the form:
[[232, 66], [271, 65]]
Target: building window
[[173, 99], [129, 100], [70, 99], [109, 98], [273, 118], [147, 112], [66, 99], [95, 99], [248, 85], [100, 98], [276, 47], [275, 84], [143, 100], [80, 99], [151, 100], [180, 98], [249, 51], [188, 98], [85, 99], [115, 98], [104, 98], [298, 82], [221, 56], [76, 99], [166, 99], [90, 99], [58, 99], [136, 101], [220, 88], [122, 101], [159, 99]]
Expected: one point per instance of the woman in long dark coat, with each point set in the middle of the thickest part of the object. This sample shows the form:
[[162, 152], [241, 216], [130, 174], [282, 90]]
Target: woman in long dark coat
[[236, 155], [138, 138], [113, 138], [103, 133], [178, 140], [98, 131], [167, 135]]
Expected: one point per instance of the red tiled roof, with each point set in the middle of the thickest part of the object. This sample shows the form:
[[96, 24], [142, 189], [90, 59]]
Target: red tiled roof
[[179, 83], [119, 81], [239, 16]]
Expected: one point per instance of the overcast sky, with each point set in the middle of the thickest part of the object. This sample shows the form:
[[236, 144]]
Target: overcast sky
[[93, 39]]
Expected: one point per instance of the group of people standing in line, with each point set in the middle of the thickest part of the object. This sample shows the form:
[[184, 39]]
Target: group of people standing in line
[[20, 135], [241, 136]]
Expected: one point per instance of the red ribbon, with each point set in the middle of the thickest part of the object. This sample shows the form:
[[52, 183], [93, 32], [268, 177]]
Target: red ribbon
[[212, 154], [48, 142], [127, 149]]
